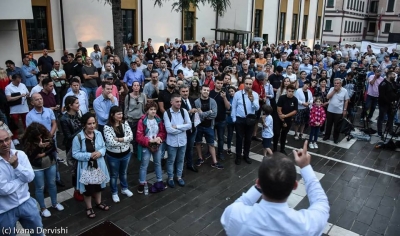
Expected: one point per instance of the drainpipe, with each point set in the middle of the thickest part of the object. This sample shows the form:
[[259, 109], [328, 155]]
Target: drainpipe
[[277, 22], [298, 20], [216, 25], [62, 24], [141, 20], [21, 42]]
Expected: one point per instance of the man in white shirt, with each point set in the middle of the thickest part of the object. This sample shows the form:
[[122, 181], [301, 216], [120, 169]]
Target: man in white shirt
[[353, 53], [16, 203], [272, 215], [96, 56], [39, 86], [81, 95], [188, 72]]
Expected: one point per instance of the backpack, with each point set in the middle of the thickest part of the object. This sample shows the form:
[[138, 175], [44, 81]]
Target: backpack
[[70, 160], [170, 115]]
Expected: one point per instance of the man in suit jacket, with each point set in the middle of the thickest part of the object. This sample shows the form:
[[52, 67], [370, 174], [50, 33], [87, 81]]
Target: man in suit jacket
[[188, 104]]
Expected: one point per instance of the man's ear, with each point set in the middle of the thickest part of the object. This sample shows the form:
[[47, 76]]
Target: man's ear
[[257, 182], [295, 185]]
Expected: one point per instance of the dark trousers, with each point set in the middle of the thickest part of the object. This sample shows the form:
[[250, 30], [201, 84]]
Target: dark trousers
[[220, 128], [191, 136], [383, 111], [333, 119], [370, 104], [280, 132], [133, 126], [243, 137]]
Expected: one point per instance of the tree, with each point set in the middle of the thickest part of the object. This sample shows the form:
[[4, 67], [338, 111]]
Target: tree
[[219, 6]]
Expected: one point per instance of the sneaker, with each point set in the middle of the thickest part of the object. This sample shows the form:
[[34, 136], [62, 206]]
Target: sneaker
[[315, 145], [59, 207], [140, 188], [311, 145], [16, 142], [60, 160], [45, 213], [229, 152], [171, 183], [115, 198], [127, 192], [199, 162], [217, 166], [296, 137], [181, 182]]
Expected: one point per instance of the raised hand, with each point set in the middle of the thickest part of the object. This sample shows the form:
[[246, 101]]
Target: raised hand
[[301, 156]]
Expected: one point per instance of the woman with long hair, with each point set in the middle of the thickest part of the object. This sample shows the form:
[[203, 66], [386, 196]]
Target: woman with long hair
[[302, 79], [70, 126], [4, 79], [40, 148], [324, 75], [89, 151], [194, 90], [230, 125], [118, 135], [234, 77], [282, 90], [150, 134]]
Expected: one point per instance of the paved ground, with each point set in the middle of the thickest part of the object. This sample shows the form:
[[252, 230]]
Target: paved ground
[[362, 184]]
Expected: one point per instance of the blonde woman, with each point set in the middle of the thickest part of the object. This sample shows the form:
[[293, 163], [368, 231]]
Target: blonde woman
[[4, 79]]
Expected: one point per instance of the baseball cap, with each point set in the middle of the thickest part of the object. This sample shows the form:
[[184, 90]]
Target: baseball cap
[[209, 68], [149, 62], [133, 62], [108, 76]]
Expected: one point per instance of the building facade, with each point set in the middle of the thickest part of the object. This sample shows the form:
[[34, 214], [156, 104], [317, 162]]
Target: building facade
[[357, 20], [59, 24]]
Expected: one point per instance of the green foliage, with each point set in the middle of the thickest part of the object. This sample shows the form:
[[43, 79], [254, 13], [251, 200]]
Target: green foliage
[[220, 6]]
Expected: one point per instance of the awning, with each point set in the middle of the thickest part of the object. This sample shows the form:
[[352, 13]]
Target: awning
[[16, 10]]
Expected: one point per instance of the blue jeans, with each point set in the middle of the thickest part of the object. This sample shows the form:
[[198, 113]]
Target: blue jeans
[[175, 154], [146, 154], [220, 127], [118, 168], [48, 175], [370, 104], [230, 128], [314, 133], [189, 147], [91, 91], [26, 213]]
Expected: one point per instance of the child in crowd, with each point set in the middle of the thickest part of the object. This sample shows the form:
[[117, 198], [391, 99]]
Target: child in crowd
[[317, 119], [229, 122], [267, 131]]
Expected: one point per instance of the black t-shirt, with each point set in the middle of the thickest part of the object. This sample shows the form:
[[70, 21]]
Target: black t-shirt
[[205, 106], [244, 74], [221, 114], [165, 97], [287, 104], [275, 80]]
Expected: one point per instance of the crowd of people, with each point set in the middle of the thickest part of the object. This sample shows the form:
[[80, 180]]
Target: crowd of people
[[144, 104]]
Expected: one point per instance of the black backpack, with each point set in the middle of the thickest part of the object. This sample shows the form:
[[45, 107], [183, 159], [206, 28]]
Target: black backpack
[[170, 115]]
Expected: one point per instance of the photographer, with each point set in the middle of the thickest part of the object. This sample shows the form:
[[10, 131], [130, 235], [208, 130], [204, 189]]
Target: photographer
[[386, 103], [349, 83], [372, 94]]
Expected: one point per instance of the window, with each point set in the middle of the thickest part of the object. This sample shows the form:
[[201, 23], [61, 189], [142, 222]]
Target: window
[[345, 26], [372, 27], [330, 4], [189, 22], [282, 26], [293, 35], [357, 5], [328, 25], [362, 8], [352, 27], [319, 19], [128, 25], [36, 30], [386, 30], [305, 25], [390, 6], [351, 4], [348, 4], [373, 7], [257, 23]]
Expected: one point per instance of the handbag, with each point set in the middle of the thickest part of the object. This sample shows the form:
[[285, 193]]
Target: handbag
[[251, 119], [15, 102], [153, 147], [92, 175]]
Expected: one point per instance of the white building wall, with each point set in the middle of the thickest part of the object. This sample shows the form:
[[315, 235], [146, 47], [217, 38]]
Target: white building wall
[[206, 17], [312, 15], [238, 16], [270, 18], [9, 42]]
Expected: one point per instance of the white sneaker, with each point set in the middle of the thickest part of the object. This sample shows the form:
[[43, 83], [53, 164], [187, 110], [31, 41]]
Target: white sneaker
[[311, 145], [296, 137], [46, 213], [115, 198], [315, 145], [127, 192], [59, 207], [16, 142]]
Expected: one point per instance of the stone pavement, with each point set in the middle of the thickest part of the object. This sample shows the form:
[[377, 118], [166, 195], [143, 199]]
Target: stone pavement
[[362, 184]]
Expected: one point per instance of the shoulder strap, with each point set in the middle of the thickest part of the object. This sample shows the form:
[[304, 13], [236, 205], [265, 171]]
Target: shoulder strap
[[169, 114], [244, 104], [182, 114], [80, 139]]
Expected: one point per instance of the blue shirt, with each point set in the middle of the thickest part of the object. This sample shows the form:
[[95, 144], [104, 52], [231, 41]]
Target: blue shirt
[[17, 71], [27, 70], [176, 137], [307, 68], [132, 76], [128, 60], [45, 117], [102, 108], [284, 64], [176, 65], [238, 107]]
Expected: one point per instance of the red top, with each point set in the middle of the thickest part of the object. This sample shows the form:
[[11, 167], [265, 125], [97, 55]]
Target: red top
[[4, 82], [258, 87], [317, 114], [209, 81], [141, 138]]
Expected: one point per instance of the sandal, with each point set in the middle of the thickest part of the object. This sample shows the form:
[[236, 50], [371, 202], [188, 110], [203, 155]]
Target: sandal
[[91, 214], [103, 206]]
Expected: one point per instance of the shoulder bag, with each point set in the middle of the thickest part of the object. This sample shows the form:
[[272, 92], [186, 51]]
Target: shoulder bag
[[251, 119]]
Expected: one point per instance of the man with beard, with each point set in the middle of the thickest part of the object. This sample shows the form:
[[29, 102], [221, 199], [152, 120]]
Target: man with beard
[[164, 96], [96, 58], [45, 62], [69, 66], [163, 72], [153, 88], [387, 88]]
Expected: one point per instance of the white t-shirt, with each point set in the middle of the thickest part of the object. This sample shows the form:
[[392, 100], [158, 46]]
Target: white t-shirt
[[21, 88], [336, 103], [353, 53], [268, 132], [39, 88], [292, 77], [96, 59], [152, 126]]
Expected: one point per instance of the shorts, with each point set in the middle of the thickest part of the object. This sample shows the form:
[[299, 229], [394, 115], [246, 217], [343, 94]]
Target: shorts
[[207, 132], [266, 142]]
